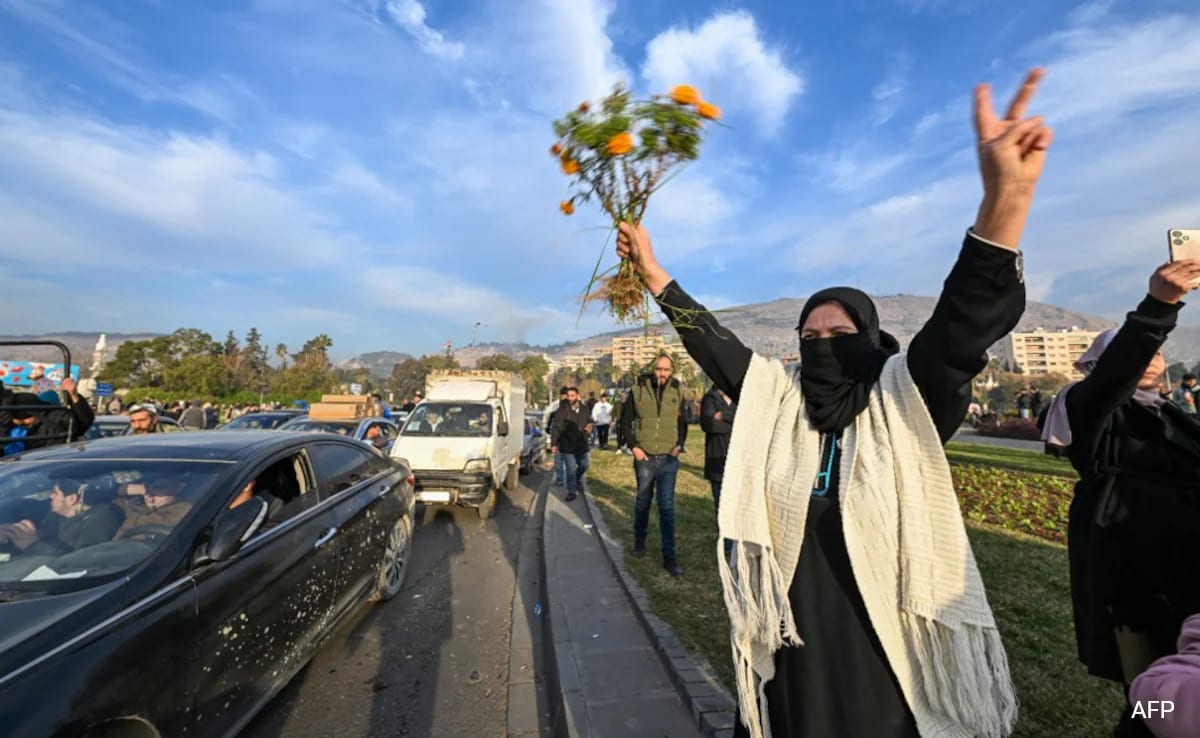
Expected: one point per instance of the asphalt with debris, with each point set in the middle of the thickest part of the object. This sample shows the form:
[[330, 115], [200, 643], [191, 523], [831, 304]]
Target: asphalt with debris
[[432, 662]]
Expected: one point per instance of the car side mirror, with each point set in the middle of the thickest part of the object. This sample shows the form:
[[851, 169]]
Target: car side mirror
[[235, 527], [502, 428]]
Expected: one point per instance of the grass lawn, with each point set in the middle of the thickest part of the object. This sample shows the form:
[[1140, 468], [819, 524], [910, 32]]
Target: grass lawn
[[1026, 580], [1007, 458]]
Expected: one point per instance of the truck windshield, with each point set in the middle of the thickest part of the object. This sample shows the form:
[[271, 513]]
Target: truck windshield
[[468, 419]]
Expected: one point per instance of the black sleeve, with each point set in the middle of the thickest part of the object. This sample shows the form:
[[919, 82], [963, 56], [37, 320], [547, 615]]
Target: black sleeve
[[981, 302], [101, 526], [1116, 375], [84, 417], [708, 421], [556, 426], [628, 413], [719, 353], [682, 429]]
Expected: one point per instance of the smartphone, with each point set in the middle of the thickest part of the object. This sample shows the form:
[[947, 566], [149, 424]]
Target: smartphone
[[1184, 244]]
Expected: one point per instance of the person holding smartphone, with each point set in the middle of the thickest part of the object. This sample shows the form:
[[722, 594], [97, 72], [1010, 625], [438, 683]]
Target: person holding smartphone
[[1134, 523]]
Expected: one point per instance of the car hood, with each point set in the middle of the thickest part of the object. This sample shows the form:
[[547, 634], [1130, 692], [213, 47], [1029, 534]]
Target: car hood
[[38, 625]]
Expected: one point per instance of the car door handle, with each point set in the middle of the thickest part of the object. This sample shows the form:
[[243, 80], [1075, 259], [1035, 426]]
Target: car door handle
[[325, 538]]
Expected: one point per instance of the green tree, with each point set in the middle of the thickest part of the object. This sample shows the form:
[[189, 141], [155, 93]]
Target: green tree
[[281, 353]]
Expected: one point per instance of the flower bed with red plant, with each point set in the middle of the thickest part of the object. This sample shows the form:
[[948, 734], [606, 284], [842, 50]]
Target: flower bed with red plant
[[1035, 504]]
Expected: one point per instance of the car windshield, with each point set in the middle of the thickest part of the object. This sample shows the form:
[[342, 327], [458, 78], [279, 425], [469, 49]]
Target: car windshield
[[107, 428], [68, 524], [256, 421], [342, 428], [450, 419]]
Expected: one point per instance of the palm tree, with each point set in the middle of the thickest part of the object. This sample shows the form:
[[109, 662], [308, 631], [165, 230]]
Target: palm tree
[[281, 352]]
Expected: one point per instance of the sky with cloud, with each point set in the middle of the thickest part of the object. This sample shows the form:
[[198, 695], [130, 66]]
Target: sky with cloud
[[377, 169]]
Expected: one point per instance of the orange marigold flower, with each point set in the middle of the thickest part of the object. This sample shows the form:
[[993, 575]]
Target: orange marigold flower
[[570, 166], [567, 207], [708, 110], [556, 149], [620, 144], [685, 95]]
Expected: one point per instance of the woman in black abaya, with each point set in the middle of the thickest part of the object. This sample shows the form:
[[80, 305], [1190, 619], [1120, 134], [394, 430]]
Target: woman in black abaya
[[839, 684]]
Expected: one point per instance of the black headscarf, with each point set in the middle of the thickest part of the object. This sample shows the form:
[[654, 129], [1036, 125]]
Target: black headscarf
[[837, 374]]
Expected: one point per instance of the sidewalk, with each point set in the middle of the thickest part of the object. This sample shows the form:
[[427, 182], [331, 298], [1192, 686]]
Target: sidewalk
[[612, 680], [969, 435]]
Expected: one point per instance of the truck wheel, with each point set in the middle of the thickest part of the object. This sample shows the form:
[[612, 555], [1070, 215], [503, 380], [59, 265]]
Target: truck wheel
[[513, 477], [487, 508]]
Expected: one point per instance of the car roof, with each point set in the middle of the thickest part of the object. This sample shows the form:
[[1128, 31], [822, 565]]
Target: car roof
[[200, 446]]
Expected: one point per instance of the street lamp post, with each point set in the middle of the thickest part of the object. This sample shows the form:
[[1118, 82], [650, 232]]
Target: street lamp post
[[475, 328]]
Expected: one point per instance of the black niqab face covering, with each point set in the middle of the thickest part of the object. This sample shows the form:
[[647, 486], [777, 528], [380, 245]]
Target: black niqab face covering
[[837, 374]]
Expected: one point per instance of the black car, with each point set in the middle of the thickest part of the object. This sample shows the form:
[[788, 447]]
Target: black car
[[265, 420], [187, 623]]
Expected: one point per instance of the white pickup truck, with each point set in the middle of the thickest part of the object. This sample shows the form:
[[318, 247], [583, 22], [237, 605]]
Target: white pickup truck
[[463, 441]]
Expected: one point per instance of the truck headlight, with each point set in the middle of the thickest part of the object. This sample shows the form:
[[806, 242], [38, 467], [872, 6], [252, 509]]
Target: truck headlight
[[478, 465]]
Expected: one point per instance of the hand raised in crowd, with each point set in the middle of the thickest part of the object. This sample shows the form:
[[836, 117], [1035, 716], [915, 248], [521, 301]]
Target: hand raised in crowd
[[633, 243], [1012, 154], [70, 387], [1171, 282]]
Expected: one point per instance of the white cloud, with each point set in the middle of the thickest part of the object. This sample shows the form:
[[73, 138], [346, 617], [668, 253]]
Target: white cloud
[[888, 95], [1098, 74], [410, 15], [728, 59]]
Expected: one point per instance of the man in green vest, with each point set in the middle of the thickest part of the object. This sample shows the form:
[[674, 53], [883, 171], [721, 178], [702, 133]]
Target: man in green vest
[[652, 424]]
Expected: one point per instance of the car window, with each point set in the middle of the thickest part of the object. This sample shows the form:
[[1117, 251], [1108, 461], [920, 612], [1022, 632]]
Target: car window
[[66, 523], [340, 467], [389, 431], [285, 486]]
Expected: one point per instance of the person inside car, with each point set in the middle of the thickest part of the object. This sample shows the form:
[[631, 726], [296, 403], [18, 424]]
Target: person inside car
[[160, 505], [375, 437], [82, 514]]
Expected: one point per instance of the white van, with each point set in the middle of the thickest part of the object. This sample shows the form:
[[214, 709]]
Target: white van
[[464, 440]]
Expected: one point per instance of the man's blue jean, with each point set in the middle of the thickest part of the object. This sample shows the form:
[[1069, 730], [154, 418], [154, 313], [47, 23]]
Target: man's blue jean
[[560, 468], [656, 477], [576, 467]]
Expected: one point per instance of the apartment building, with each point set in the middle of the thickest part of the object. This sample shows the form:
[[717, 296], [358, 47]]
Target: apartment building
[[1046, 352]]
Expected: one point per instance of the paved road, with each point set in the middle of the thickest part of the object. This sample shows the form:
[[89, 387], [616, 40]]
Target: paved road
[[434, 661]]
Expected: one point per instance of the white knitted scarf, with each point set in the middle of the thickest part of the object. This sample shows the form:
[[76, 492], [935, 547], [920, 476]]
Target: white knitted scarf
[[904, 535]]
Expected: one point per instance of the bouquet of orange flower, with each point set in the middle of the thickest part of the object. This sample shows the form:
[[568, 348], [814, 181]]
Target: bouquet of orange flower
[[618, 153]]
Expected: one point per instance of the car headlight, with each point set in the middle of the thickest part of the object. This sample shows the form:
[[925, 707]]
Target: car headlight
[[478, 465]]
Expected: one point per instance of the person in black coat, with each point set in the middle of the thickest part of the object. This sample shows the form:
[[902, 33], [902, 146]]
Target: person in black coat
[[1134, 523], [716, 420], [31, 427], [571, 430]]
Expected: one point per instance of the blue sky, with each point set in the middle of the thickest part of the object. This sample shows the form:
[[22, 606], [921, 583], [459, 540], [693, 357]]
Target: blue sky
[[377, 170]]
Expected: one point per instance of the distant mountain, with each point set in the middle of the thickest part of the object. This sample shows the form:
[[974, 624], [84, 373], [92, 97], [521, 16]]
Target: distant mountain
[[770, 328], [379, 363], [80, 343]]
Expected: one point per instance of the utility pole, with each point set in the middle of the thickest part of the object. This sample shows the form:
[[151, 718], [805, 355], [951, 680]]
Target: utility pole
[[475, 328]]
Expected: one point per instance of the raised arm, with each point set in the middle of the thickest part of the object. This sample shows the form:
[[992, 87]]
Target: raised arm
[[1122, 366], [984, 296], [719, 353]]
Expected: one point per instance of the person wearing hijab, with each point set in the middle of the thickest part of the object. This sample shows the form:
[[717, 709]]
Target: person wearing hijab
[[855, 605], [1133, 530]]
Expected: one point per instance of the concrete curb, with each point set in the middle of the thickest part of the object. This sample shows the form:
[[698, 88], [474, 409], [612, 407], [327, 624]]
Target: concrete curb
[[531, 676], [568, 712], [694, 678]]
